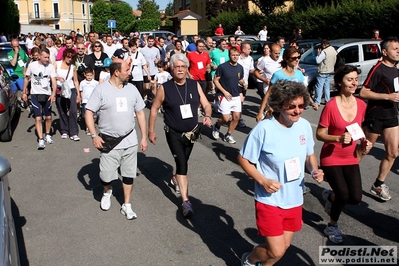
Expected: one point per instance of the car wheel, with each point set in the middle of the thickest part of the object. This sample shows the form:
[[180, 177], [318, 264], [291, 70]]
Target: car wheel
[[7, 134]]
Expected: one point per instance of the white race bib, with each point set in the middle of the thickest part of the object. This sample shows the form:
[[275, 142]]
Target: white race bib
[[121, 104], [222, 60], [293, 169], [185, 110], [200, 65], [356, 131], [21, 63]]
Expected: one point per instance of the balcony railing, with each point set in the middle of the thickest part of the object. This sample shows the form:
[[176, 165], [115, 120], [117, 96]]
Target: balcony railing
[[42, 16]]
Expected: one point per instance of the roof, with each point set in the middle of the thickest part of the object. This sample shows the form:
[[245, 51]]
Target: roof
[[137, 13], [185, 14]]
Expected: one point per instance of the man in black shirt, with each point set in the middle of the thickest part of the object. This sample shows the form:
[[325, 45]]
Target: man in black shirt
[[380, 89]]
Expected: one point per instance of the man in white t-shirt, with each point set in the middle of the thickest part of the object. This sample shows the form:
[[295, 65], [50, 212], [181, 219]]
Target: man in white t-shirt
[[152, 56], [138, 65], [109, 46], [262, 35], [247, 63], [268, 65], [52, 49], [42, 76]]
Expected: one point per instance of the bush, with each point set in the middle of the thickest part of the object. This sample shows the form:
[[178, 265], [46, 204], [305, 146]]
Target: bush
[[348, 19]]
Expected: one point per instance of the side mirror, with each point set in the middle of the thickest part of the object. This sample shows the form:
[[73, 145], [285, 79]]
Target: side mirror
[[5, 166]]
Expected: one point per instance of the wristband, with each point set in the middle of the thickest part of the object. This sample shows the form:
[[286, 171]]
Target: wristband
[[208, 116], [93, 136]]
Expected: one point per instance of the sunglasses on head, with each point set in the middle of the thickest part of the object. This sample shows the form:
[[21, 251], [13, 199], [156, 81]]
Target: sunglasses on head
[[293, 106], [295, 58]]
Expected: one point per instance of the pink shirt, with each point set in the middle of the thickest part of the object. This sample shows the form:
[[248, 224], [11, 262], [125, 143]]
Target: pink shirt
[[61, 51]]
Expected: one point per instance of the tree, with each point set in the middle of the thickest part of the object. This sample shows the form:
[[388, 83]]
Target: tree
[[169, 10], [212, 8], [101, 13], [140, 4], [123, 14], [150, 11], [10, 17], [268, 6]]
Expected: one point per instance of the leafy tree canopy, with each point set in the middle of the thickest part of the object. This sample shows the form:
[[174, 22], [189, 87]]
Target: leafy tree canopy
[[102, 12], [10, 17], [268, 6], [140, 4], [150, 10]]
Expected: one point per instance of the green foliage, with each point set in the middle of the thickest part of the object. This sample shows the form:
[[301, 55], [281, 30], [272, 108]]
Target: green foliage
[[268, 6], [123, 14], [144, 25], [10, 17], [341, 19], [102, 12], [140, 4], [150, 11], [250, 23], [169, 10]]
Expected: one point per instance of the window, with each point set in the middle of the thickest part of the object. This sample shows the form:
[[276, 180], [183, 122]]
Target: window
[[56, 26], [371, 52], [36, 10], [84, 28], [350, 54], [55, 10], [83, 9]]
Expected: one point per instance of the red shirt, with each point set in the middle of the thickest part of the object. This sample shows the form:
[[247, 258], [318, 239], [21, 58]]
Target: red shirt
[[219, 31], [198, 63], [337, 153]]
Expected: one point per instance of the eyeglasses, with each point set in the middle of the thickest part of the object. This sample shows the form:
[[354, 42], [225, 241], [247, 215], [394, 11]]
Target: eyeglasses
[[293, 106], [295, 58], [97, 46], [69, 56]]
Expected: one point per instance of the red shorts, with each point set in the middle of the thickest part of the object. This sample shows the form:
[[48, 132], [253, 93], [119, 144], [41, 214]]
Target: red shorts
[[273, 221]]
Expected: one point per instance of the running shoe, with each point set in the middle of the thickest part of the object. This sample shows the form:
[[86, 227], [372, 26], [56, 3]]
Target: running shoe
[[229, 139], [41, 145], [174, 184], [187, 209], [49, 139], [106, 201], [334, 234], [215, 132], [381, 191], [127, 211]]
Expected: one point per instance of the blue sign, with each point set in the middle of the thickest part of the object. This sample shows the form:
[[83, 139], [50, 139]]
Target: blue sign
[[112, 24]]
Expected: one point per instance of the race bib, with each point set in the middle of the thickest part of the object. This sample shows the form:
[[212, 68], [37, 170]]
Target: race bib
[[293, 169], [21, 63], [185, 110], [121, 104], [356, 131], [222, 60], [200, 65]]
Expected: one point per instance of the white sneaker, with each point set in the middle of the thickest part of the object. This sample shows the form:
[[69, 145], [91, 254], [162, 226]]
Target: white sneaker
[[49, 139], [215, 132], [41, 145], [126, 210], [229, 139], [106, 201]]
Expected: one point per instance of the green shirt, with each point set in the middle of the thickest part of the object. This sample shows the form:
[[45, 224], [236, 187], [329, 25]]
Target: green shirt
[[21, 61], [218, 57]]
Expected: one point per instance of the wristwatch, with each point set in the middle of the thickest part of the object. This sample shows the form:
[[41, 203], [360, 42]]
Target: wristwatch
[[93, 136]]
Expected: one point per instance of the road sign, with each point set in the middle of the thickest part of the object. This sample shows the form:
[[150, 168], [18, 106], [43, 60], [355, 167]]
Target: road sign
[[112, 24]]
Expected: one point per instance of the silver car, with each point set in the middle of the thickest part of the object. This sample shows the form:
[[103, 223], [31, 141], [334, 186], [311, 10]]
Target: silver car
[[9, 255], [8, 105], [357, 52]]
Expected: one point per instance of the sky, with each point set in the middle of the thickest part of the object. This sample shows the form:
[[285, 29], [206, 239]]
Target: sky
[[162, 3]]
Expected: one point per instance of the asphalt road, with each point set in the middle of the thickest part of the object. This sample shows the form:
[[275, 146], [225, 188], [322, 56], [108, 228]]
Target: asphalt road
[[56, 194]]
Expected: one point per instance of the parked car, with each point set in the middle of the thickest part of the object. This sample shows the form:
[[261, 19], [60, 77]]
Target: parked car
[[156, 33], [257, 49], [8, 104], [357, 52], [9, 255], [244, 38], [304, 45]]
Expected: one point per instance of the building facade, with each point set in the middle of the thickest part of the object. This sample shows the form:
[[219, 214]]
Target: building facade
[[54, 15]]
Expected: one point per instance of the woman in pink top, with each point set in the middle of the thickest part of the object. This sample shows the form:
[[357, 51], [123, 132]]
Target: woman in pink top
[[340, 128]]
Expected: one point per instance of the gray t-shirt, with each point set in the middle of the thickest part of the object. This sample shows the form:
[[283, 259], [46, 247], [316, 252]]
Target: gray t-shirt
[[116, 109], [150, 54]]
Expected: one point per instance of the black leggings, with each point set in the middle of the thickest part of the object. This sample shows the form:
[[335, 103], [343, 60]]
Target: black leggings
[[181, 149], [346, 183]]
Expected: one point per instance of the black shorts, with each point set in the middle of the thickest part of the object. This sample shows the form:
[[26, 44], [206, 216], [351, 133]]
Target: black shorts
[[377, 125], [146, 78]]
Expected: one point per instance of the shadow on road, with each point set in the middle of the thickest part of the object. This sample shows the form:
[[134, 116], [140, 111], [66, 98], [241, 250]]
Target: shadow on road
[[19, 222], [89, 177]]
